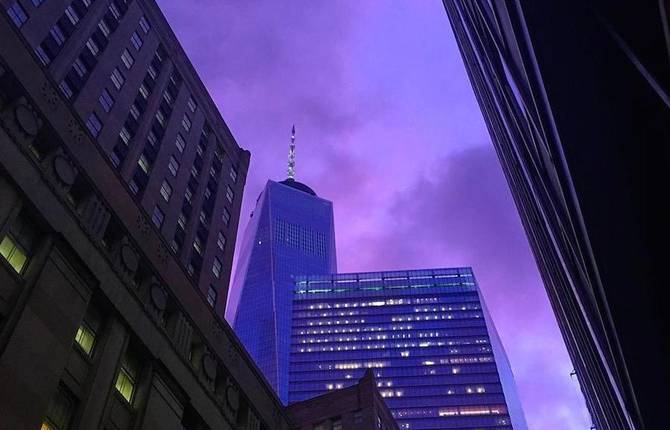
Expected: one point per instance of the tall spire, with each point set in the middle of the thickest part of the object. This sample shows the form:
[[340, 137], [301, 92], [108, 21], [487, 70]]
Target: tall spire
[[291, 156]]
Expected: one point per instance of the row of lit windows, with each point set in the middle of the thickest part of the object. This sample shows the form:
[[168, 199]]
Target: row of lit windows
[[380, 277], [397, 309]]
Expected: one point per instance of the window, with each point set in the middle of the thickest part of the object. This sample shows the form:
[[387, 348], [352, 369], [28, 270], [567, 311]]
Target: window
[[211, 295], [107, 101], [225, 216], [180, 143], [42, 55], [221, 241], [57, 35], [144, 25], [192, 105], [93, 124], [127, 59], [160, 117], [151, 71], [182, 221], [115, 11], [80, 67], [166, 190], [144, 91], [188, 193], [127, 377], [93, 47], [186, 122], [37, 3], [134, 111], [72, 15], [151, 138], [85, 338], [144, 163], [157, 217], [65, 89], [216, 267], [233, 174], [17, 14], [60, 411], [197, 245], [337, 424], [136, 40], [124, 134], [19, 243], [229, 194], [117, 78], [133, 186], [173, 165], [104, 28]]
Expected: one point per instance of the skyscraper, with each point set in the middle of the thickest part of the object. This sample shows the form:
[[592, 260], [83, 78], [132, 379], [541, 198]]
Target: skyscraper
[[102, 324], [427, 336], [291, 232], [576, 96], [138, 95]]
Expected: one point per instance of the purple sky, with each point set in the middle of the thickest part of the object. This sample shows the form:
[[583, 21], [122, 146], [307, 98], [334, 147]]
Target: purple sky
[[389, 130]]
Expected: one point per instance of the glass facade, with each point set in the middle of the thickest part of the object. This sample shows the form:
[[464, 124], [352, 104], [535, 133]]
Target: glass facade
[[426, 333], [291, 232]]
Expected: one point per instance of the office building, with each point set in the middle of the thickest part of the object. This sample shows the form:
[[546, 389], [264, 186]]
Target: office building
[[576, 96], [102, 324], [427, 336], [291, 232], [359, 407], [130, 82]]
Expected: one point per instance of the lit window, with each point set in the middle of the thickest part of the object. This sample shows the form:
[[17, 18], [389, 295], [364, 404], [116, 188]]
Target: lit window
[[85, 338], [93, 124], [134, 111], [216, 268], [13, 253], [221, 241], [229, 194], [233, 174], [157, 217], [166, 190], [127, 377], [197, 245], [211, 296], [57, 35], [117, 78], [106, 100], [127, 59], [136, 40], [37, 3], [151, 138], [192, 105], [144, 92], [188, 193], [151, 70], [160, 117], [173, 165], [144, 25], [225, 216], [60, 410], [72, 15], [180, 143], [186, 122], [182, 221], [17, 14]]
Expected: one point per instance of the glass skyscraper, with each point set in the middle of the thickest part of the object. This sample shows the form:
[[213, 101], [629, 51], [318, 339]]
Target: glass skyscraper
[[425, 333], [291, 232]]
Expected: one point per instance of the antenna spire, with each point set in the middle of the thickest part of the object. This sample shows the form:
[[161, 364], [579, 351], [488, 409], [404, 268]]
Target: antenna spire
[[291, 156]]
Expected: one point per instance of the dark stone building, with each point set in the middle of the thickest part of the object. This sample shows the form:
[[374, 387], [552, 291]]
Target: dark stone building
[[359, 407], [576, 96], [105, 319], [129, 81]]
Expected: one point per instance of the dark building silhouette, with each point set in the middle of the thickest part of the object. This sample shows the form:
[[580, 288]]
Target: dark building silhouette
[[359, 407], [105, 316], [122, 70], [576, 98]]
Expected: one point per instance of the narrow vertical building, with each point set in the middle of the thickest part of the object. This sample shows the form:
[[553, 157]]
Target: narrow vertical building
[[291, 232], [427, 336], [576, 97]]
